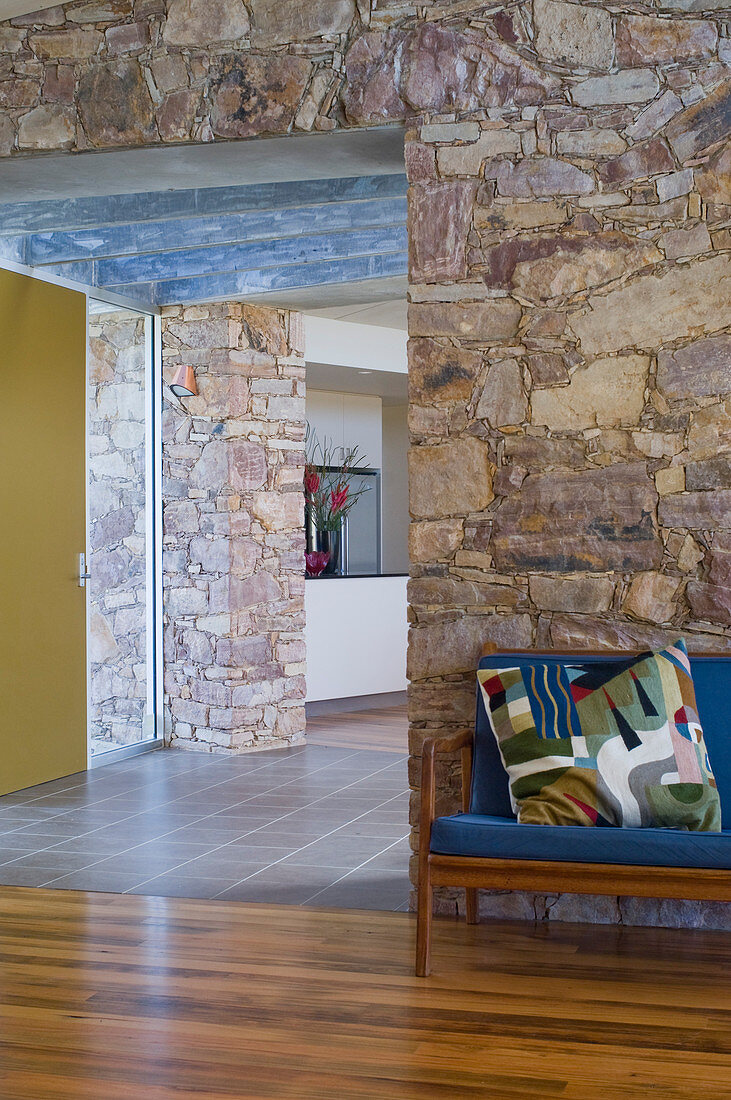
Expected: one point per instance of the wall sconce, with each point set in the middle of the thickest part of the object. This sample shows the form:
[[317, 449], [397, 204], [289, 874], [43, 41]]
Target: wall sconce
[[183, 385]]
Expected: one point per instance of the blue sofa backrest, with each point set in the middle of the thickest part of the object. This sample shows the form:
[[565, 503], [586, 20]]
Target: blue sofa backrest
[[712, 679]]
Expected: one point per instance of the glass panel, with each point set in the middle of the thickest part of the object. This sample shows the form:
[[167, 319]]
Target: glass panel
[[364, 533], [120, 549]]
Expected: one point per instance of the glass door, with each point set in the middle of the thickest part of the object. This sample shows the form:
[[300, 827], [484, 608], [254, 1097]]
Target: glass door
[[119, 570]]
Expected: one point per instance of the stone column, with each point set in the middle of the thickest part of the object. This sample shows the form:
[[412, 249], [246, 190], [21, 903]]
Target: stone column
[[570, 481], [234, 529]]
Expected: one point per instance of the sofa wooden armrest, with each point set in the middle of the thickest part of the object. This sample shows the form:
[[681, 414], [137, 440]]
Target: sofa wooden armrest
[[461, 742]]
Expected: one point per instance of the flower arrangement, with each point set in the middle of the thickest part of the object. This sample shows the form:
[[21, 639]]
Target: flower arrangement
[[329, 493]]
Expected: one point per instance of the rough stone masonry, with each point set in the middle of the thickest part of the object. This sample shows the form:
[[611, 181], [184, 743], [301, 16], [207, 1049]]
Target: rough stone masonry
[[570, 213]]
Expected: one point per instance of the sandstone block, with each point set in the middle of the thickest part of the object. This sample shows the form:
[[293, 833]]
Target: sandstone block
[[702, 125], [651, 596], [503, 402], [542, 177], [278, 22], [683, 243], [581, 632], [560, 266], [690, 555], [573, 33], [548, 368], [115, 105], [670, 479], [519, 215], [710, 430], [647, 40], [73, 44], [466, 160], [254, 95], [714, 177], [47, 127], [714, 473], [432, 540], [719, 571], [439, 218], [710, 602], [588, 520], [450, 132], [489, 321], [697, 370], [628, 86], [698, 510], [194, 22], [247, 465], [442, 649], [577, 593], [607, 393], [657, 309], [654, 117], [441, 372], [449, 479], [279, 511], [7, 136], [590, 143], [639, 162], [677, 183]]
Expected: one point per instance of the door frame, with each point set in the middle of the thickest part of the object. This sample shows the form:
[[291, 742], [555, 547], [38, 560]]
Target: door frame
[[153, 474]]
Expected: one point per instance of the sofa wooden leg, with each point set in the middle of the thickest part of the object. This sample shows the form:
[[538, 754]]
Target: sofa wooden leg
[[472, 910], [425, 902]]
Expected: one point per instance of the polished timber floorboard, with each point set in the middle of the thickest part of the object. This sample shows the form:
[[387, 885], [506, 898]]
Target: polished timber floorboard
[[105, 997]]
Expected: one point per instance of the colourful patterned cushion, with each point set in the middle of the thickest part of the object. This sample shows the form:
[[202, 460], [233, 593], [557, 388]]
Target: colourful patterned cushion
[[587, 745]]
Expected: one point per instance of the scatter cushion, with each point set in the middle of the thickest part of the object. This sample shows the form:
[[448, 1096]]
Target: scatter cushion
[[585, 744]]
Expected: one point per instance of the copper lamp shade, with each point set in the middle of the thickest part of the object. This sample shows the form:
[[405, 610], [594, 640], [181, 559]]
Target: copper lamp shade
[[183, 385]]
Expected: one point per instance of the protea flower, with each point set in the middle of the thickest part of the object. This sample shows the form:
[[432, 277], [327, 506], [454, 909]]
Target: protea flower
[[338, 498], [312, 480]]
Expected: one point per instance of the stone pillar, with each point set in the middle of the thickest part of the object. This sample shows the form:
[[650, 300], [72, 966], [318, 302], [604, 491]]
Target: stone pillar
[[570, 397], [234, 529]]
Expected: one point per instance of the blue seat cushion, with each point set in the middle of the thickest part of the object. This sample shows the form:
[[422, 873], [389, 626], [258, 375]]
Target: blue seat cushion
[[503, 838]]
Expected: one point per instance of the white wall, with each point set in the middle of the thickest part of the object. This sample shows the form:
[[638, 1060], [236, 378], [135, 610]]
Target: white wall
[[348, 419], [356, 636], [367, 347], [395, 490]]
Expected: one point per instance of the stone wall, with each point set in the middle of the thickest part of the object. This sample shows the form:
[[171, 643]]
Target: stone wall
[[570, 197], [570, 373], [117, 538], [233, 517], [125, 73]]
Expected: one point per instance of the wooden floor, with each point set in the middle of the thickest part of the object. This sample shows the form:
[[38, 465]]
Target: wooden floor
[[385, 729], [105, 997]]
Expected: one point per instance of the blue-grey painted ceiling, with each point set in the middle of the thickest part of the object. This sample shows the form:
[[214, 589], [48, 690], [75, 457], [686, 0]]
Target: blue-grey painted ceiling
[[166, 247]]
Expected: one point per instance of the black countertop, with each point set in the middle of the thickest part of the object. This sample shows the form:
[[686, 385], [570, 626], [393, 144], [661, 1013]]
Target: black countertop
[[352, 576]]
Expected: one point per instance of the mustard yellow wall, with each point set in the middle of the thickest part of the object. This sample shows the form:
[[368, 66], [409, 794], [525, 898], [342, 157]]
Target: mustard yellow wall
[[42, 531]]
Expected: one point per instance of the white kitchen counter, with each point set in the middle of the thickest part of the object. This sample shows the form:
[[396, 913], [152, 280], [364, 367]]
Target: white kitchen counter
[[356, 633]]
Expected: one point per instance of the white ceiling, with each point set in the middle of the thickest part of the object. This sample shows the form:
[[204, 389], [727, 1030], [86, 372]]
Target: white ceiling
[[386, 314], [393, 388], [221, 164], [10, 8]]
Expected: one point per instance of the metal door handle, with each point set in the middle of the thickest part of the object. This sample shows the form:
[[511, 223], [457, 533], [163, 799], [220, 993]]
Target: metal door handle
[[83, 575]]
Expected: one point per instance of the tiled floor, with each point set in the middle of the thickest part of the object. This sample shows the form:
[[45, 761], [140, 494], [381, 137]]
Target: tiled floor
[[318, 825]]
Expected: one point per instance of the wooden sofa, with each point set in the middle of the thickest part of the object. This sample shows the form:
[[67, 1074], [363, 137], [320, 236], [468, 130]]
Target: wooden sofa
[[485, 847]]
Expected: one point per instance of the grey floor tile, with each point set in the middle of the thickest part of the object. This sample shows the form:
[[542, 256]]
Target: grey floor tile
[[375, 890], [26, 876], [106, 882], [176, 886], [337, 851], [281, 888], [61, 862]]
